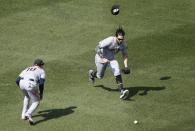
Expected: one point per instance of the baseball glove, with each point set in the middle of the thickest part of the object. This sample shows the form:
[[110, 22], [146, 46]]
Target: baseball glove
[[126, 70]]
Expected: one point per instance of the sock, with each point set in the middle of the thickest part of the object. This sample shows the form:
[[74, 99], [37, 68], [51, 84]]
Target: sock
[[120, 86], [119, 82]]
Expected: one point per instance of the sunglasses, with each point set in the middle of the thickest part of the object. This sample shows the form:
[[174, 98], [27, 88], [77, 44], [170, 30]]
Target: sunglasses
[[120, 39]]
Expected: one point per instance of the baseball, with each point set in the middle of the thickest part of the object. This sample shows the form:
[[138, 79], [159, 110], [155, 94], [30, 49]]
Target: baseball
[[115, 10], [135, 122]]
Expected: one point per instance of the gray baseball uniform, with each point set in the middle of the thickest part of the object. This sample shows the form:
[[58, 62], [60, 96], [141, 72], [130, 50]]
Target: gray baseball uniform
[[107, 48], [30, 77]]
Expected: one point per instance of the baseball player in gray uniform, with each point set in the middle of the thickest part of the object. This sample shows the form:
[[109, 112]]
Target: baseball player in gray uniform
[[28, 81], [105, 57]]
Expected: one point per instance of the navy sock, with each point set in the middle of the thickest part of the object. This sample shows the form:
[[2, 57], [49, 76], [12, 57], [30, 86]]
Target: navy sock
[[119, 82]]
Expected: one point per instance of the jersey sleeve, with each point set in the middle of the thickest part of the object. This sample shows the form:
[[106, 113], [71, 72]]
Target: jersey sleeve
[[124, 49], [103, 44], [41, 80], [43, 75], [106, 42]]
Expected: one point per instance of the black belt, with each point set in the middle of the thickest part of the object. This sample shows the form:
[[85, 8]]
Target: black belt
[[28, 79], [31, 80]]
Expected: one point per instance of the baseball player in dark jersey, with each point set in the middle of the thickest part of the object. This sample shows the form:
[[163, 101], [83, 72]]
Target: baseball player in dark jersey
[[105, 57]]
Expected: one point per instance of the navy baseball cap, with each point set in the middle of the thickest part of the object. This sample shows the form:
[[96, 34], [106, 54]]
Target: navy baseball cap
[[39, 62]]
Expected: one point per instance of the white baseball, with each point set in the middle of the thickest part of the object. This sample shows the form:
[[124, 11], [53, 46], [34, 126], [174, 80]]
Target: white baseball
[[135, 121], [115, 10]]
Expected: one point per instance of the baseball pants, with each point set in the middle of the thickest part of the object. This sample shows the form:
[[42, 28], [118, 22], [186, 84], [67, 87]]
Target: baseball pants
[[31, 93]]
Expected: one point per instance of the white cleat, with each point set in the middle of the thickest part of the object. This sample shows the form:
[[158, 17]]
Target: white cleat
[[91, 78], [124, 94]]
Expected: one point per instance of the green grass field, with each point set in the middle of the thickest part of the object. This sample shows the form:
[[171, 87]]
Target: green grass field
[[64, 33]]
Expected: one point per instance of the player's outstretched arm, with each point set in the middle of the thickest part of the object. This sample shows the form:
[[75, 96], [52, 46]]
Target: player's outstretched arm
[[41, 87], [125, 60]]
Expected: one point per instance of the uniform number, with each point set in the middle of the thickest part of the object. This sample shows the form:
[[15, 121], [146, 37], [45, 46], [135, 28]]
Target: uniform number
[[31, 69]]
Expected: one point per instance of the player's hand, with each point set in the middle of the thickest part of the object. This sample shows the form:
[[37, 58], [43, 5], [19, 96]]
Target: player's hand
[[104, 61]]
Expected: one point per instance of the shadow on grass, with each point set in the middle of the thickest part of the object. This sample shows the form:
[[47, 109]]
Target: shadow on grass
[[106, 88], [165, 77], [143, 90], [54, 113], [140, 90]]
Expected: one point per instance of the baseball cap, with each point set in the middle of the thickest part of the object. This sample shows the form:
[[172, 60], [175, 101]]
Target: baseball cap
[[39, 62]]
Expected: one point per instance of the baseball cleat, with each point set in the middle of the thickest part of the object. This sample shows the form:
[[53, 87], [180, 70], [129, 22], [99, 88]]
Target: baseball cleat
[[30, 120], [124, 94], [24, 117], [91, 78]]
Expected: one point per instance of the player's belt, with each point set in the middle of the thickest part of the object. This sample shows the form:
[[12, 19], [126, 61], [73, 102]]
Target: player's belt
[[28, 79], [31, 80]]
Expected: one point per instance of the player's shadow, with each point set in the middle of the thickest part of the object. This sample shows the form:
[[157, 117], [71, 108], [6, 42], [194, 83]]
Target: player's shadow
[[54, 113], [140, 90], [165, 77], [143, 90], [106, 88]]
